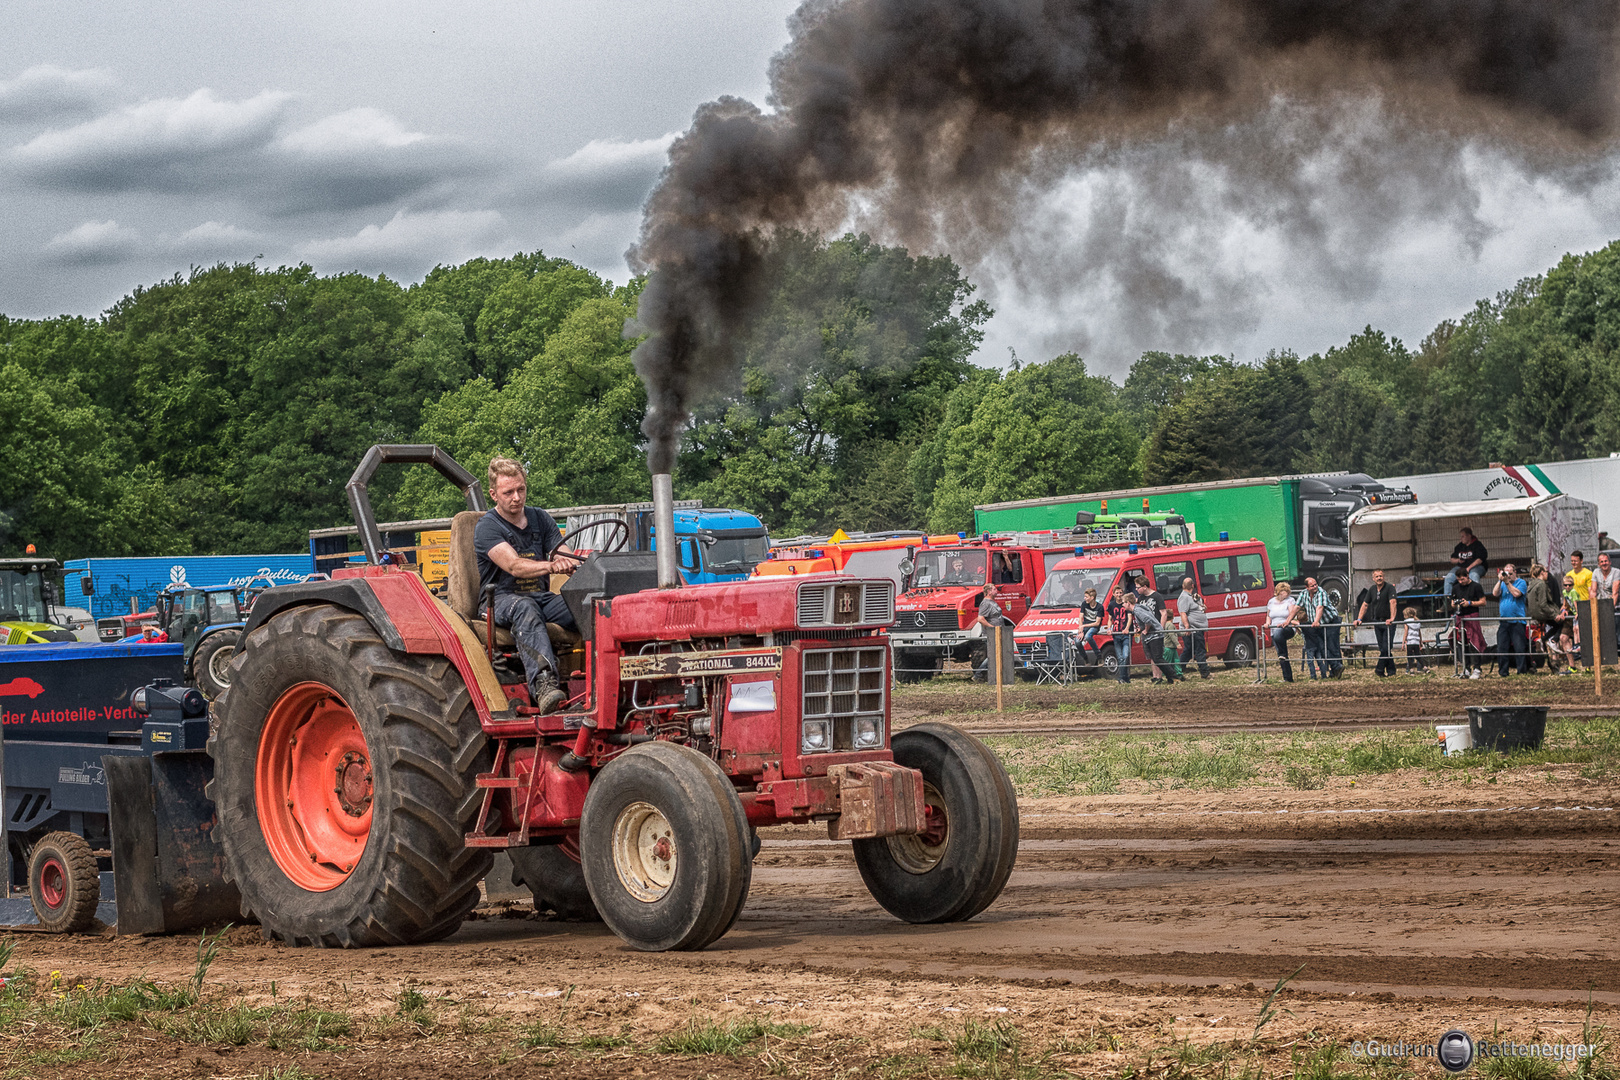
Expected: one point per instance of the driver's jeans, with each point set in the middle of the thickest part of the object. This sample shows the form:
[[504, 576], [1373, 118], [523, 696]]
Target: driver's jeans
[[526, 616]]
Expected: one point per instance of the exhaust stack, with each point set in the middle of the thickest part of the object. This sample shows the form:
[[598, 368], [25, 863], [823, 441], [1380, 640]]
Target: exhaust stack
[[663, 486]]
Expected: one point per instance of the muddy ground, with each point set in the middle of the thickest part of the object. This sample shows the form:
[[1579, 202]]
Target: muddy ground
[[1141, 934]]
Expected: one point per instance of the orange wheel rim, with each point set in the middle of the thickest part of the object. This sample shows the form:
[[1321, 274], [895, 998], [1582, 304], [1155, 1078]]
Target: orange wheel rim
[[313, 786]]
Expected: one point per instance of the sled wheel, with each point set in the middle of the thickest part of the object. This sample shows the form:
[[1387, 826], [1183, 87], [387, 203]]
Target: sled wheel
[[665, 848], [63, 883], [344, 780], [555, 877], [960, 863]]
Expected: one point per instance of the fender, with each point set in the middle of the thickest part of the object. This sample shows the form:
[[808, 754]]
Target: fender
[[407, 617]]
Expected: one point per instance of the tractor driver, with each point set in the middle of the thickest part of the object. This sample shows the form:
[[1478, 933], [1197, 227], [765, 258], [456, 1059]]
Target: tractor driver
[[518, 551]]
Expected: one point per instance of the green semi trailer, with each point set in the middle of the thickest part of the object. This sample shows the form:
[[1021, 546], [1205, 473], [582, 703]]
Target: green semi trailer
[[1300, 519]]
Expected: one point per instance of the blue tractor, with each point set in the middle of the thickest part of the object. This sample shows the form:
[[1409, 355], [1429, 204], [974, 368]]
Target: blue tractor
[[208, 621]]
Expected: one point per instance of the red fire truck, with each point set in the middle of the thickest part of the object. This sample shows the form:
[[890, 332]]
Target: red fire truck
[[1233, 577], [936, 617]]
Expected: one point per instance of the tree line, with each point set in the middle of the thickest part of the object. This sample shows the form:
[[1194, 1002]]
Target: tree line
[[222, 411]]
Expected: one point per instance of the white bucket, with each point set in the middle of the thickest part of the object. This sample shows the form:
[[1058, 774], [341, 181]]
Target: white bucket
[[1455, 737]]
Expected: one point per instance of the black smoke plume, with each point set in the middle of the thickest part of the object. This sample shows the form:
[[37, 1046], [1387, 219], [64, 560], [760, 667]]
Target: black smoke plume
[[933, 120]]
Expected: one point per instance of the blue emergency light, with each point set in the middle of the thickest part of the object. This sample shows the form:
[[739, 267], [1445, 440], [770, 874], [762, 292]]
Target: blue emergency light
[[1133, 549], [1223, 535], [1079, 551]]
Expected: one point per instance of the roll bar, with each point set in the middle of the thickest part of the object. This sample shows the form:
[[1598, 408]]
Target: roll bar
[[402, 454]]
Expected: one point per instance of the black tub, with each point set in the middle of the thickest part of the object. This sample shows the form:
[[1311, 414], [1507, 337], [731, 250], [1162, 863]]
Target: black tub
[[1507, 727]]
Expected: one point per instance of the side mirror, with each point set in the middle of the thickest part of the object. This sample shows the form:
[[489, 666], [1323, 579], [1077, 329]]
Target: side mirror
[[49, 590], [87, 585]]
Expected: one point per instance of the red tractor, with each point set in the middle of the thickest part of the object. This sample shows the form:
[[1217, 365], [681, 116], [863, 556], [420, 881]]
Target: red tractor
[[377, 744]]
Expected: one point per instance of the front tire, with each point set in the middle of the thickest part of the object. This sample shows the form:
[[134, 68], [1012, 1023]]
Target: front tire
[[211, 663], [344, 781], [554, 875], [959, 865], [665, 847], [63, 883]]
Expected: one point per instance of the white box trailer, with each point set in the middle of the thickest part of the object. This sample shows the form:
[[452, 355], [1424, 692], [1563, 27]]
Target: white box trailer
[[1597, 480], [1415, 540]]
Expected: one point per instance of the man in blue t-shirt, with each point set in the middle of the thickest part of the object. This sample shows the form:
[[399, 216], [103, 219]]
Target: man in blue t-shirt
[[518, 551], [1512, 639]]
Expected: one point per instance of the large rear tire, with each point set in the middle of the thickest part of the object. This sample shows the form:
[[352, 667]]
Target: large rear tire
[[554, 875], [665, 846], [211, 663], [958, 866], [344, 781], [63, 882]]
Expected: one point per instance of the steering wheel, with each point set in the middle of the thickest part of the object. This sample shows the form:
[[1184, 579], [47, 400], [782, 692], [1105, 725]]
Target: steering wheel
[[620, 539]]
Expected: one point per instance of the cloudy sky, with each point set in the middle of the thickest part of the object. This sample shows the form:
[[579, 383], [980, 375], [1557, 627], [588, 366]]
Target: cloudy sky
[[138, 140]]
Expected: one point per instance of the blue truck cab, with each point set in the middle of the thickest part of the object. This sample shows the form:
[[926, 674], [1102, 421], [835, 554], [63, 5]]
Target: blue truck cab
[[717, 544]]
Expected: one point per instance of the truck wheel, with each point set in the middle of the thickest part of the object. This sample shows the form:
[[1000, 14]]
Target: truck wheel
[[914, 667], [1239, 651], [344, 782], [211, 663], [960, 863], [553, 874], [1108, 661], [665, 848], [63, 883]]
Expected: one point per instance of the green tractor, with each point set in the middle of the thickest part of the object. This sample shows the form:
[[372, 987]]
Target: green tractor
[[26, 599]]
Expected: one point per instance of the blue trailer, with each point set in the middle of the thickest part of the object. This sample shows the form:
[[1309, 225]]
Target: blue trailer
[[117, 587], [102, 811]]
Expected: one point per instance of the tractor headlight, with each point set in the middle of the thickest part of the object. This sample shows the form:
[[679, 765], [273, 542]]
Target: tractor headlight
[[816, 736], [868, 731]]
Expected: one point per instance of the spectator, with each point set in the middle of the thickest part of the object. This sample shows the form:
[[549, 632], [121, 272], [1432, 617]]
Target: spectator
[[1606, 586], [1544, 605], [1571, 620], [1281, 614], [1582, 576], [1314, 604], [1332, 626], [990, 617], [1146, 613], [1196, 622], [1414, 641], [1466, 602], [1378, 601], [1122, 626], [1511, 639], [1091, 624], [1468, 557]]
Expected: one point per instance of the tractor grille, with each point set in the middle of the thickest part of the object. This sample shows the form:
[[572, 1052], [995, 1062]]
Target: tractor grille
[[846, 603], [843, 684], [929, 619]]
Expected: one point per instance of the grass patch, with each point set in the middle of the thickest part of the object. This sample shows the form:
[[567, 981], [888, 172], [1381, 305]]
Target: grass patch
[[729, 1039], [1305, 761]]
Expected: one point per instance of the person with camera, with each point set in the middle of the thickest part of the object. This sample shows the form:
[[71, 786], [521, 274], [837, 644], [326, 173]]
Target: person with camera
[[1466, 600], [1512, 639]]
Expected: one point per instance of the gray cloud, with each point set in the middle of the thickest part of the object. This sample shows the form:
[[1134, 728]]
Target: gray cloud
[[605, 176], [46, 93], [94, 243]]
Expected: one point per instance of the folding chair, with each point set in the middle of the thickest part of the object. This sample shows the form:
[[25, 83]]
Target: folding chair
[[1057, 666]]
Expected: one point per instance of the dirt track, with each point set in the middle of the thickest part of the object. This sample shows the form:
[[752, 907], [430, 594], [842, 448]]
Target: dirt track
[[1412, 907]]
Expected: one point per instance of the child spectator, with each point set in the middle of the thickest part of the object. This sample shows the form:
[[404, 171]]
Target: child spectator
[[1121, 624], [1414, 642], [1091, 623]]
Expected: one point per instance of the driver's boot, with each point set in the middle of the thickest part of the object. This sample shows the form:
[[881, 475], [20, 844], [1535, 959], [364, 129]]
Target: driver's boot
[[546, 693]]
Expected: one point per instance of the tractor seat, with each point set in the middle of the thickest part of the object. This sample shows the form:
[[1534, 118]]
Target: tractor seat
[[462, 583]]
